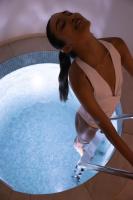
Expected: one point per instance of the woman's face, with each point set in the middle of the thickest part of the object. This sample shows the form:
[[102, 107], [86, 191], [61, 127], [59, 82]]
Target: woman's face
[[69, 27]]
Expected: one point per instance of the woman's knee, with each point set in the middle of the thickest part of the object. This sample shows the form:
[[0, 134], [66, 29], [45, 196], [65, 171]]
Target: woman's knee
[[84, 131], [80, 124]]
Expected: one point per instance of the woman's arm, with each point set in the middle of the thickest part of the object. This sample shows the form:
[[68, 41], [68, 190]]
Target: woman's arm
[[82, 89]]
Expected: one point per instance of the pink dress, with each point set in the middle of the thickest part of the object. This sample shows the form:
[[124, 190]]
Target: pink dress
[[102, 90]]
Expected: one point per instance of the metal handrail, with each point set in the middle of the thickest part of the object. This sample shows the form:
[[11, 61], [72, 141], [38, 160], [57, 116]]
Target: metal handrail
[[108, 170], [122, 116]]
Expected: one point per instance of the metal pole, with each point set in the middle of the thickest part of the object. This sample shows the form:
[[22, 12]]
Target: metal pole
[[108, 170], [123, 116]]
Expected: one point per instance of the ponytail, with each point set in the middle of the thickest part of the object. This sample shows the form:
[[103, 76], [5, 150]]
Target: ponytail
[[65, 63]]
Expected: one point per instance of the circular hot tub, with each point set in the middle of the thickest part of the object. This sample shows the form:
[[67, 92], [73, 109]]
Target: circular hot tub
[[37, 130]]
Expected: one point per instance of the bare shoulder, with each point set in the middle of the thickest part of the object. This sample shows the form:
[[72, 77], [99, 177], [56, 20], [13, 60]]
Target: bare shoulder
[[118, 43], [126, 56], [75, 72], [113, 40], [77, 76]]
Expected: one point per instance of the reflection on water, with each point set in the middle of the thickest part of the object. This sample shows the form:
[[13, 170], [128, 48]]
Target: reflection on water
[[37, 133]]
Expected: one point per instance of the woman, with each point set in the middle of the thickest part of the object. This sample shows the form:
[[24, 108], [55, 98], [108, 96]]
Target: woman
[[95, 76]]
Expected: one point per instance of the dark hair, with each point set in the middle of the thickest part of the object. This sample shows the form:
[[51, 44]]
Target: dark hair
[[65, 62]]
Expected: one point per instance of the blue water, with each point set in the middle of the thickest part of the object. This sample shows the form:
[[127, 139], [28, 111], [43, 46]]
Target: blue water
[[37, 133]]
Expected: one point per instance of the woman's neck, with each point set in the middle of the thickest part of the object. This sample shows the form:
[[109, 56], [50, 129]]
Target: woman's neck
[[90, 51]]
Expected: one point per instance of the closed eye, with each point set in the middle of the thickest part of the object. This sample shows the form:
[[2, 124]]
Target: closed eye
[[61, 25]]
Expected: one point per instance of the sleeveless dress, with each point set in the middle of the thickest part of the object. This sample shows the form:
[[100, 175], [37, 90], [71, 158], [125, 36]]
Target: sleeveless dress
[[102, 91]]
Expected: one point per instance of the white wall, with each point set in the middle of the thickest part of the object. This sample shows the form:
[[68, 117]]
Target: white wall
[[109, 17]]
